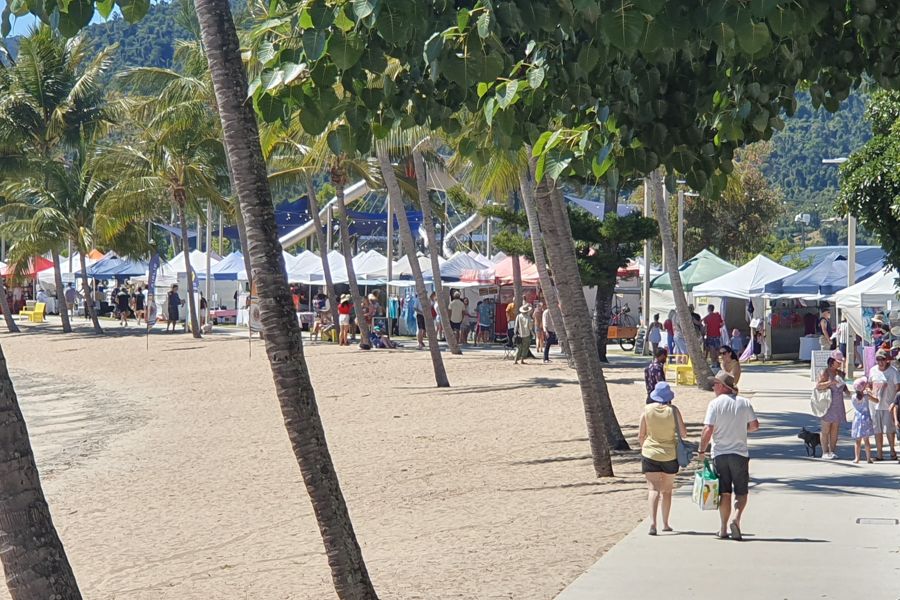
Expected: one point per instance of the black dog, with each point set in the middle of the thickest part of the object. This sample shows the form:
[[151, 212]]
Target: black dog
[[811, 439]]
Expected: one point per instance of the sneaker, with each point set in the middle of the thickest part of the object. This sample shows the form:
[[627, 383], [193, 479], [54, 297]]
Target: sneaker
[[828, 456], [834, 456]]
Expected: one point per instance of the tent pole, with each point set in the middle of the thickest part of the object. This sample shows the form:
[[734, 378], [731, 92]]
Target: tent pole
[[208, 241]]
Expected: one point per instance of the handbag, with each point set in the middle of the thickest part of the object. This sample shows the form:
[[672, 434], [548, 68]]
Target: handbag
[[552, 339], [820, 402], [682, 452]]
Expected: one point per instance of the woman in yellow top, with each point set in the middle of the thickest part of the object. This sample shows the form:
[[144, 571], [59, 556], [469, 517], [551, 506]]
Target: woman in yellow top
[[659, 462]]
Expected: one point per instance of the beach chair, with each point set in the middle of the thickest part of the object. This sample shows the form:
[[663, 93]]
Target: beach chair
[[680, 369], [36, 314]]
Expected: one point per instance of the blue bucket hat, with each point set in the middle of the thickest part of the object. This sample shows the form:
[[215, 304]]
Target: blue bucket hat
[[662, 393]]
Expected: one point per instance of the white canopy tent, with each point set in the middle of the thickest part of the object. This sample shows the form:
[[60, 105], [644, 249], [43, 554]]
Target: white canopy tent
[[371, 265], [874, 292], [47, 277], [403, 268], [745, 282]]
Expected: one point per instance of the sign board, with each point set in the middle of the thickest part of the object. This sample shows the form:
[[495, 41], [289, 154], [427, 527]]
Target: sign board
[[818, 362], [639, 341]]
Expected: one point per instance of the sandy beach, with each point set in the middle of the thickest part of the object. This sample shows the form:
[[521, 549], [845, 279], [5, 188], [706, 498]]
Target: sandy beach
[[170, 476]]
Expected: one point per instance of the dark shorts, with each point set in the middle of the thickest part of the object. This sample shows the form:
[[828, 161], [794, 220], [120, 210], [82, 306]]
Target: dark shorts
[[713, 341], [669, 467], [173, 313], [734, 473], [455, 326], [420, 322]]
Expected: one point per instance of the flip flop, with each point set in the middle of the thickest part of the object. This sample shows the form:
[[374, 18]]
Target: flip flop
[[720, 536], [652, 530], [735, 532]]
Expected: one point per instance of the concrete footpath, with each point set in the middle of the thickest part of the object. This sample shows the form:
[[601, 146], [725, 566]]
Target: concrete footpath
[[813, 528]]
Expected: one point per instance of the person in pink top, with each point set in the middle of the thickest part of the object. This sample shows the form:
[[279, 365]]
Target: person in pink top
[[713, 323]]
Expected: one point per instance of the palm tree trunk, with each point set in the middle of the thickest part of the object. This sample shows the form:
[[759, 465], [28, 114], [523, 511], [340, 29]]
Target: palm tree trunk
[[702, 371], [603, 300], [284, 344], [185, 246], [425, 204], [60, 293], [518, 292], [409, 247], [11, 324], [613, 430], [87, 295], [339, 179], [323, 250], [581, 339], [242, 238], [540, 260], [33, 556]]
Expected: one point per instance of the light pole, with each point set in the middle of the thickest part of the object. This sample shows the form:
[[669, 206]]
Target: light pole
[[851, 266]]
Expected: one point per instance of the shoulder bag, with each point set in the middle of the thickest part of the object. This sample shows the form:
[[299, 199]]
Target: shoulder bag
[[820, 401], [682, 452]]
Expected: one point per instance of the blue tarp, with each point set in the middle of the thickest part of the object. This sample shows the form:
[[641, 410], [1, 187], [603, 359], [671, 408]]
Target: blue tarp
[[826, 277], [110, 267]]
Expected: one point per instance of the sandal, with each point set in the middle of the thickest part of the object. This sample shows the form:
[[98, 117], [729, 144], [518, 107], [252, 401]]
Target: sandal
[[652, 530], [735, 532]]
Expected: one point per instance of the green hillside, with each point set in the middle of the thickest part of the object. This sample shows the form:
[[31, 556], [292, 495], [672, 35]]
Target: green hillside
[[148, 43]]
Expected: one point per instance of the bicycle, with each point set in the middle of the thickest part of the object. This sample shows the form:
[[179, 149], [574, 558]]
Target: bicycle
[[622, 327]]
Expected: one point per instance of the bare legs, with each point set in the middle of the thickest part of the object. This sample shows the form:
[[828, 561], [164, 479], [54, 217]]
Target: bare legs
[[879, 444], [829, 438], [859, 442], [659, 491]]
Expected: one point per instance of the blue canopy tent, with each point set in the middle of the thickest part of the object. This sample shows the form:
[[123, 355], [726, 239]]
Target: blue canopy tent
[[112, 266], [229, 268], [828, 276]]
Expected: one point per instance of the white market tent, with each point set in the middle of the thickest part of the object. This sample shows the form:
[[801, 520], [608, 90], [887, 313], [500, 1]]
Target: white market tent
[[403, 268], [47, 277], [311, 273], [746, 282], [371, 265], [170, 271], [455, 267], [874, 292]]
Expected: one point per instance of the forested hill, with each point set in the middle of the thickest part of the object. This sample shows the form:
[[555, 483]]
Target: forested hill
[[795, 164], [148, 43]]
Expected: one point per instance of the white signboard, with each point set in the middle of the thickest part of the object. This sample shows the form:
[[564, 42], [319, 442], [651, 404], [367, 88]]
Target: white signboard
[[818, 362]]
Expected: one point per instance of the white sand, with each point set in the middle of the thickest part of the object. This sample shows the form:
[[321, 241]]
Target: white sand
[[170, 476]]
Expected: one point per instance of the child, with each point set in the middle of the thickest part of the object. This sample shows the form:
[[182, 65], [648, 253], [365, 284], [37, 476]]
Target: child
[[737, 341], [862, 419]]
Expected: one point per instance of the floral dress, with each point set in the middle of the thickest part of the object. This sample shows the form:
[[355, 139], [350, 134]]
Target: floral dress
[[836, 412], [862, 419]]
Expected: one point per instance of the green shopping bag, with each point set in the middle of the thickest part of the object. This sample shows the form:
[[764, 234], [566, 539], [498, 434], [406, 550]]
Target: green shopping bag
[[706, 488]]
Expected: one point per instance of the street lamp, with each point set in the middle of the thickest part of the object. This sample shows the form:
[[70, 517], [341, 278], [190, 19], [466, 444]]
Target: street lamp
[[851, 229]]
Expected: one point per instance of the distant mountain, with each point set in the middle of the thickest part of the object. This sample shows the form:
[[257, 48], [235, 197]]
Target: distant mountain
[[148, 43], [795, 164]]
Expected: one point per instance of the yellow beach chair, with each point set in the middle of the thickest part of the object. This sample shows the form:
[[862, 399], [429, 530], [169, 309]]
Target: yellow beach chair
[[36, 314]]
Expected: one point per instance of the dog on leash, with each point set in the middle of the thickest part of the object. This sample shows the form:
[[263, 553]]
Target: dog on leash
[[811, 439]]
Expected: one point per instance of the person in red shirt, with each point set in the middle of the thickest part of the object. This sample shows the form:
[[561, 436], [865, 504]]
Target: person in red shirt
[[713, 322]]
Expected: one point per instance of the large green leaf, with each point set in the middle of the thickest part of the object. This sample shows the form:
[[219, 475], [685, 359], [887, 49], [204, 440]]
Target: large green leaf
[[345, 50], [364, 8], [77, 15], [392, 25], [752, 37], [623, 28], [314, 43], [105, 7], [133, 10]]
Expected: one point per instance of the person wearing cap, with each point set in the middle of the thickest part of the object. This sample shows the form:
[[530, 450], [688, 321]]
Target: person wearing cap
[[344, 309], [832, 378], [659, 460], [729, 418], [861, 429], [884, 384], [457, 310], [878, 330], [524, 325], [655, 371]]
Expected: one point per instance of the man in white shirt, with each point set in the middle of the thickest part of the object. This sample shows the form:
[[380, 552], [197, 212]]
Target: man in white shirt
[[729, 418], [457, 311], [884, 383], [71, 298]]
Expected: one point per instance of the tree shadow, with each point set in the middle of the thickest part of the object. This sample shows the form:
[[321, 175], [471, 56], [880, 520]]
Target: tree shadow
[[532, 384]]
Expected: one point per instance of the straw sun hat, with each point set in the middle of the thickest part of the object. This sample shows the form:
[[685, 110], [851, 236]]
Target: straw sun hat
[[526, 308]]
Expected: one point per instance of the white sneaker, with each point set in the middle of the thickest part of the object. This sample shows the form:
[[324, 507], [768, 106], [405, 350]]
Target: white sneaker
[[834, 456], [828, 456]]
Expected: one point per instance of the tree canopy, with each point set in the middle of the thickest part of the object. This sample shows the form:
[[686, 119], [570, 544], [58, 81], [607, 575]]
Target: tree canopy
[[870, 180]]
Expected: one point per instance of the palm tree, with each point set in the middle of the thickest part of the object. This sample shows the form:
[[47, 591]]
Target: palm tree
[[53, 98], [173, 159], [409, 246], [282, 331], [291, 162], [33, 556], [702, 370], [428, 224], [65, 206]]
